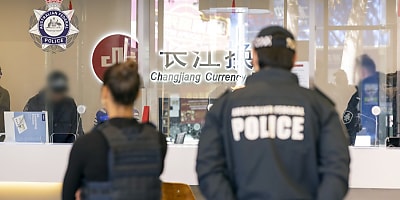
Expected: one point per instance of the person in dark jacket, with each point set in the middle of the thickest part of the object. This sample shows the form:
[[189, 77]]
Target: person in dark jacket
[[120, 158], [273, 139], [351, 117], [371, 92], [62, 114], [358, 116], [4, 104]]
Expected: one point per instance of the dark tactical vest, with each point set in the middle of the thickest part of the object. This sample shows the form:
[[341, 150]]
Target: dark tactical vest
[[134, 165]]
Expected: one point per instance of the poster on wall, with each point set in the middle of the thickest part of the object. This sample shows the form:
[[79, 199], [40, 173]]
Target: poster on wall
[[302, 70], [190, 118], [54, 28], [193, 111]]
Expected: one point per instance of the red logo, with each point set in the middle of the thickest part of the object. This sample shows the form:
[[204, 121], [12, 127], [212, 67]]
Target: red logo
[[111, 50]]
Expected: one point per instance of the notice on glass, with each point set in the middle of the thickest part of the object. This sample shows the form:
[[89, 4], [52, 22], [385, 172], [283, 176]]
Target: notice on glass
[[302, 70], [193, 110], [174, 106], [20, 123]]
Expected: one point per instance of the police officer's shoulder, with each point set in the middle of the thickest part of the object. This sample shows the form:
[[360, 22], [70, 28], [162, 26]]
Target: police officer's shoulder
[[322, 95], [219, 103], [237, 88], [230, 90], [224, 95]]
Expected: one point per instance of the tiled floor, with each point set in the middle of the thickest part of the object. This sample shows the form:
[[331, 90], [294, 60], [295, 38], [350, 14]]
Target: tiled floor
[[354, 194]]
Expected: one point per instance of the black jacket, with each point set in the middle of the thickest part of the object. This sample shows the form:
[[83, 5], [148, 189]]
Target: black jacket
[[351, 117], [273, 140], [4, 106], [63, 117], [90, 154]]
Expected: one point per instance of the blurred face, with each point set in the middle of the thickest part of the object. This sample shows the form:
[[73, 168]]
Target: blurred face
[[57, 96], [364, 73], [361, 73]]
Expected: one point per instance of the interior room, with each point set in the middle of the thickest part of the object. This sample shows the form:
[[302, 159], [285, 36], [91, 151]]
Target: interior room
[[189, 53]]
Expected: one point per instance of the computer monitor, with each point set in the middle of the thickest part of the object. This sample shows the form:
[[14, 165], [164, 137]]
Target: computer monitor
[[31, 127]]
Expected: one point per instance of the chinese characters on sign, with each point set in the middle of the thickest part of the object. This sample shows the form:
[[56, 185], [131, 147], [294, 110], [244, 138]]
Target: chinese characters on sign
[[170, 58], [193, 67], [200, 61]]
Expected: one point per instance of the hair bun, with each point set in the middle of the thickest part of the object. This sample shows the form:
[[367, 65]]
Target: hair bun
[[132, 64], [123, 81]]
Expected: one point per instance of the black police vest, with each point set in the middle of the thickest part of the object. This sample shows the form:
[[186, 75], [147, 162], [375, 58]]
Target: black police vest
[[134, 165]]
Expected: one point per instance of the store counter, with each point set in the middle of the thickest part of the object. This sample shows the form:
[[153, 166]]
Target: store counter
[[32, 171], [46, 163], [20, 162], [370, 167]]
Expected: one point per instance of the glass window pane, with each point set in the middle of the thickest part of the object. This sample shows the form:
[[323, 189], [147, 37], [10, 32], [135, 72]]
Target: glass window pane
[[204, 52], [354, 30], [357, 12]]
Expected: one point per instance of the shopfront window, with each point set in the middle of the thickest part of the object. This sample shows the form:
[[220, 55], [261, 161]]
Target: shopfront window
[[348, 30], [191, 51], [202, 48]]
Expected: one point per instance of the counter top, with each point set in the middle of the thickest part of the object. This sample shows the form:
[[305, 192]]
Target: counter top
[[20, 162], [370, 167]]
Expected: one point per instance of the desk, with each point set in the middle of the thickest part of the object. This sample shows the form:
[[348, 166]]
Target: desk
[[370, 167]]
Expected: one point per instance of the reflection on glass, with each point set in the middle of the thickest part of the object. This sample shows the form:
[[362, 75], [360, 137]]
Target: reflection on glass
[[356, 12], [370, 97], [352, 28], [205, 51]]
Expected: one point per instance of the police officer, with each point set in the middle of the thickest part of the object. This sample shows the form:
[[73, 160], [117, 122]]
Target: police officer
[[273, 139], [351, 117], [120, 158], [369, 91], [358, 116]]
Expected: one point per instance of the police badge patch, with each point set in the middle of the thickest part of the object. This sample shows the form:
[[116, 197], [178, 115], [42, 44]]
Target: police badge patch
[[53, 28], [347, 117]]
